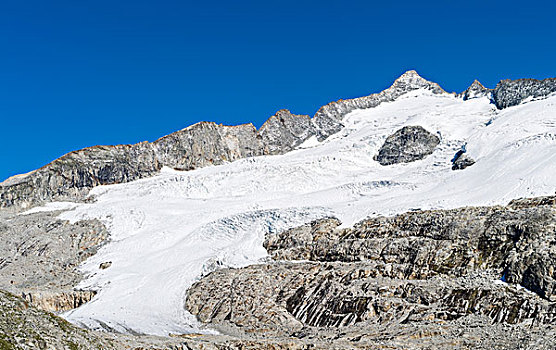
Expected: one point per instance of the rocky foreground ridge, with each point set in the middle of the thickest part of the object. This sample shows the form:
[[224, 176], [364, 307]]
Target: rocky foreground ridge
[[474, 277], [73, 175]]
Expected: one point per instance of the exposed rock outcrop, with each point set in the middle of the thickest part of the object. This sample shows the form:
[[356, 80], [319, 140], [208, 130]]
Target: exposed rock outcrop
[[475, 90], [406, 145], [52, 301], [508, 93], [206, 144], [41, 253], [427, 279], [284, 131], [73, 175], [462, 162], [25, 327]]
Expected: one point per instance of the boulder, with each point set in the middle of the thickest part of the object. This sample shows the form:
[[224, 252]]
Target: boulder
[[406, 145]]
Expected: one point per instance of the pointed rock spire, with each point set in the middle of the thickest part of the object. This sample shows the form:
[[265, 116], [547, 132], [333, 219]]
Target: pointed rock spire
[[475, 90], [411, 80]]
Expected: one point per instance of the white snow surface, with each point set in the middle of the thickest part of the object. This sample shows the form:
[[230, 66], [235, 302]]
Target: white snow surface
[[169, 230]]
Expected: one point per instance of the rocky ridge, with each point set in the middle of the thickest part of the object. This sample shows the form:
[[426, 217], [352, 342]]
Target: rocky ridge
[[427, 279], [328, 118], [508, 93], [475, 90], [73, 175]]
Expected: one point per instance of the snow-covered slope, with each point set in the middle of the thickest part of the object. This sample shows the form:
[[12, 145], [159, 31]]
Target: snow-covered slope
[[168, 230]]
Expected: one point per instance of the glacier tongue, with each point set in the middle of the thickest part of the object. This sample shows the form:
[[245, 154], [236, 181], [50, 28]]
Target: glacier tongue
[[168, 230]]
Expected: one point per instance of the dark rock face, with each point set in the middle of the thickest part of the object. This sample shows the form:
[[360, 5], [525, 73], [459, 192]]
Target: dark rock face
[[508, 93], [462, 162], [406, 145], [427, 279]]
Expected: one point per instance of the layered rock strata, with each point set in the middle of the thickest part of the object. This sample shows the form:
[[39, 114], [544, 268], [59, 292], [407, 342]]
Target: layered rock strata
[[427, 279]]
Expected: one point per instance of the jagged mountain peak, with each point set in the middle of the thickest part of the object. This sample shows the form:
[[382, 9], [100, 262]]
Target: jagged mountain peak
[[411, 80], [409, 76], [475, 90]]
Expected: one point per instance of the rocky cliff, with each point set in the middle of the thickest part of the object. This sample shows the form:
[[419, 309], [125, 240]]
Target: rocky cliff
[[508, 93], [426, 279]]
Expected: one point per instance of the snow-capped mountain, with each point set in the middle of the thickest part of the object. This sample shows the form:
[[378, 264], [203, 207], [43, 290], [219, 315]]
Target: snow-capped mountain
[[170, 227]]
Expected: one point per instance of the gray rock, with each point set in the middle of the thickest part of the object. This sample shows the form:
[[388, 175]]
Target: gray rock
[[462, 162], [510, 240], [425, 279], [284, 131], [73, 175], [40, 255], [58, 301], [406, 145], [206, 144], [508, 93]]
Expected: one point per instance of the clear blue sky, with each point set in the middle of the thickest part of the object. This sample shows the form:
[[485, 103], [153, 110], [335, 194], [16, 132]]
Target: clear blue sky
[[75, 74]]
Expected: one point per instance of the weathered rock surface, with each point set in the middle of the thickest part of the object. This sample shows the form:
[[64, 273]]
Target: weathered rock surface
[[284, 131], [39, 256], [207, 143], [516, 242], [462, 162], [461, 278], [406, 145], [52, 301], [23, 326], [508, 93], [73, 175]]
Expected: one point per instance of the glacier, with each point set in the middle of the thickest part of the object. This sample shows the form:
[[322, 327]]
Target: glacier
[[169, 230]]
